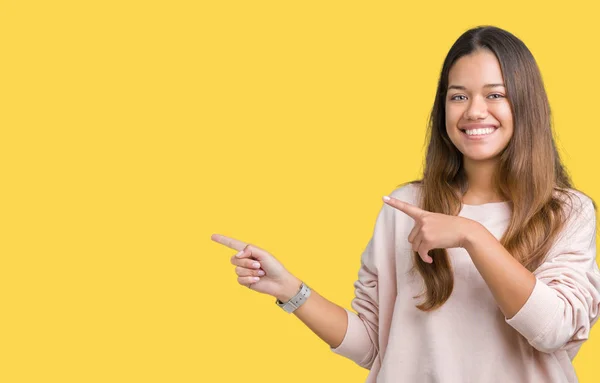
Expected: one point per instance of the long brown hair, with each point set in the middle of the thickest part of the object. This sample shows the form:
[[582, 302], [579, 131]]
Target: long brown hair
[[530, 174]]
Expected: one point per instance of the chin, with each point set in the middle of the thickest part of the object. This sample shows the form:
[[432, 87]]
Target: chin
[[481, 156]]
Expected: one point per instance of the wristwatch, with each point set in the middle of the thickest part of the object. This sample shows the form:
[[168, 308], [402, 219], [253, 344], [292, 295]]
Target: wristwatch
[[296, 301]]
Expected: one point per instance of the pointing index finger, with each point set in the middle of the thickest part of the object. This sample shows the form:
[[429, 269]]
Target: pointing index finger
[[229, 242], [405, 207]]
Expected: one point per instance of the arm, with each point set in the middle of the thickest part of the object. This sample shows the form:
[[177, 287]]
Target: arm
[[556, 306], [355, 336]]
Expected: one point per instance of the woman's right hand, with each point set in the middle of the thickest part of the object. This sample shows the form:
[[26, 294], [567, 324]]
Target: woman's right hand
[[260, 271]]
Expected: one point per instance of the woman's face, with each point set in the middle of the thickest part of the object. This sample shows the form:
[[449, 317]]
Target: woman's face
[[478, 116]]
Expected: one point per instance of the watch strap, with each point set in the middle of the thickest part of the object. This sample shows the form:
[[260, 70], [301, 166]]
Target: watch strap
[[296, 301]]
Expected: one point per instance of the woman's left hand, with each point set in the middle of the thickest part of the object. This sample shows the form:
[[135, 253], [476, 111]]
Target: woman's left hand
[[432, 230]]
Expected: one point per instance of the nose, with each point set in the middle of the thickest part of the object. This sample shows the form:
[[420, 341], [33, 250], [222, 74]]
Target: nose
[[476, 110]]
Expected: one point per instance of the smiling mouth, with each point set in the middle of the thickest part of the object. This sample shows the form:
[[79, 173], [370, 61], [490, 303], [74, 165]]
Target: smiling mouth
[[478, 132]]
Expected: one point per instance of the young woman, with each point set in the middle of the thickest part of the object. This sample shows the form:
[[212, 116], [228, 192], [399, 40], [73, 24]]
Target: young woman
[[482, 271]]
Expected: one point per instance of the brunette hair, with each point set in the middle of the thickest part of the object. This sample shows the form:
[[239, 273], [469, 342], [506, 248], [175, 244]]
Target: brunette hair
[[530, 175]]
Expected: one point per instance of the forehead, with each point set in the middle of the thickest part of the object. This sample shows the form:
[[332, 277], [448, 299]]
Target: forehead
[[475, 69]]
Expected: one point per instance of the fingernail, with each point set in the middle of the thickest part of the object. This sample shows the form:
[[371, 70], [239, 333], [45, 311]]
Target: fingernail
[[256, 265], [386, 198], [255, 279], [239, 254], [261, 273]]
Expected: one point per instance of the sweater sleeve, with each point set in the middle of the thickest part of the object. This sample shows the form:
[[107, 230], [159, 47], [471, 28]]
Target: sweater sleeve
[[361, 343], [565, 300]]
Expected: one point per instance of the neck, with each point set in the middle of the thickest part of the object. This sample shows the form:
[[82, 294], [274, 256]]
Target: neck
[[480, 176]]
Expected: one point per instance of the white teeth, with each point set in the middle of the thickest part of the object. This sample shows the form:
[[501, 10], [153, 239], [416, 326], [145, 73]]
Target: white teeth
[[476, 132]]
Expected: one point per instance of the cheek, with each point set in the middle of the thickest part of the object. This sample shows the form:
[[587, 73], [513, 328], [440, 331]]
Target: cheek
[[452, 117], [504, 115]]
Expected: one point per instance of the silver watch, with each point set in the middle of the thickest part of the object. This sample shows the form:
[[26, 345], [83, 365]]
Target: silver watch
[[296, 301]]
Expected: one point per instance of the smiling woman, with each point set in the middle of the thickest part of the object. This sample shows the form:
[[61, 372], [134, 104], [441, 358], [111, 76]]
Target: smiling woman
[[503, 247]]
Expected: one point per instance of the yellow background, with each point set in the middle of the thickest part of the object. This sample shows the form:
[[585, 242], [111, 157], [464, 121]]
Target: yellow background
[[133, 130]]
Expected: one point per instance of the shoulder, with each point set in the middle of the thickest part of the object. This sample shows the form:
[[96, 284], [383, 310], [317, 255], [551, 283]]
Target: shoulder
[[579, 218], [388, 215], [577, 205], [407, 192]]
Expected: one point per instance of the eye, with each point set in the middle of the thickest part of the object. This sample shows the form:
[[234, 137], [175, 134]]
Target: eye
[[496, 94], [453, 98]]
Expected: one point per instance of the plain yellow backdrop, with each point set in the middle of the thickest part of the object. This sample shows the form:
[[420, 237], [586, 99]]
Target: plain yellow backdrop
[[133, 130]]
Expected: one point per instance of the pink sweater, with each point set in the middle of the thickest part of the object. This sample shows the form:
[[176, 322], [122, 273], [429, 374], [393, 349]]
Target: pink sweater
[[468, 339]]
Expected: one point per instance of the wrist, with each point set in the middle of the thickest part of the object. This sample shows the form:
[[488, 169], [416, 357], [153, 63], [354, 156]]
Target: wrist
[[472, 233], [289, 288]]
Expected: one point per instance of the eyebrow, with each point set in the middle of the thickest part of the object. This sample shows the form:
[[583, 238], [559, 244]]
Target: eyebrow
[[485, 86]]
